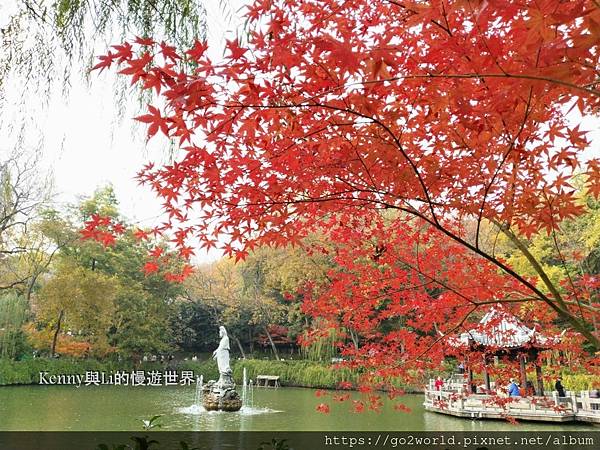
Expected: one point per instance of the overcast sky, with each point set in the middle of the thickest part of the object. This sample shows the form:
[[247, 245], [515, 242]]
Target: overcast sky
[[85, 142]]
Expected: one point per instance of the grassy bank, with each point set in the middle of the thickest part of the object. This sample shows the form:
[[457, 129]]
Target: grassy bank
[[28, 371], [292, 373]]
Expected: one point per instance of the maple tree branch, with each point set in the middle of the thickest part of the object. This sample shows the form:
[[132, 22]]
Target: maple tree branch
[[374, 120], [576, 87], [504, 158], [568, 272], [560, 308], [584, 306], [443, 336], [442, 283], [398, 145], [535, 264], [433, 21], [534, 299], [563, 310]]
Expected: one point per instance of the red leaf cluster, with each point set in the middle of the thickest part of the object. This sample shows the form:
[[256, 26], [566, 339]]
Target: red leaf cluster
[[332, 112]]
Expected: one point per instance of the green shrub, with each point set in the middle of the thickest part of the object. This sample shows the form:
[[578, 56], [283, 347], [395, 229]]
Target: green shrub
[[576, 382], [291, 373], [28, 371], [295, 373]]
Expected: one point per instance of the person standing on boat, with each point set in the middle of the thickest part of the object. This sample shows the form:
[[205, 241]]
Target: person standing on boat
[[438, 385], [558, 386], [513, 389]]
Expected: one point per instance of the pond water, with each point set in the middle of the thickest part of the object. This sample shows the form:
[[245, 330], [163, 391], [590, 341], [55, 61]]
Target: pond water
[[108, 408]]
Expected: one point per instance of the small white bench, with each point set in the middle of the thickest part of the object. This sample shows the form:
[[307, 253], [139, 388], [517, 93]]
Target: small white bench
[[267, 381]]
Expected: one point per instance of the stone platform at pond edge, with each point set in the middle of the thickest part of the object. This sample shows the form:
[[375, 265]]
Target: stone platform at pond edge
[[455, 401]]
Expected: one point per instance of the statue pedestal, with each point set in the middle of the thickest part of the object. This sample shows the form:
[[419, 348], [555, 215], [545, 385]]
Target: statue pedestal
[[221, 396]]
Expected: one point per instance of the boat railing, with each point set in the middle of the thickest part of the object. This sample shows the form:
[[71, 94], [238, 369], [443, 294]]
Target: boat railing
[[456, 396]]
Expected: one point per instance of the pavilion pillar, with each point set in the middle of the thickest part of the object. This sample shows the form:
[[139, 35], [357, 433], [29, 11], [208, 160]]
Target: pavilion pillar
[[522, 371], [540, 380], [486, 375], [470, 388], [538, 373]]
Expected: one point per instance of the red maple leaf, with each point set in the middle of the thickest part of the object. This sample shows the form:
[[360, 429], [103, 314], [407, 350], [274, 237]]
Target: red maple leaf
[[323, 408], [234, 48], [186, 252], [141, 234], [197, 51], [150, 267], [105, 61], [118, 228], [155, 120]]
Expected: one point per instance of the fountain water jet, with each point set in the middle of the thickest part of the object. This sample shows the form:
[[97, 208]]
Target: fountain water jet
[[251, 391], [245, 388], [199, 392]]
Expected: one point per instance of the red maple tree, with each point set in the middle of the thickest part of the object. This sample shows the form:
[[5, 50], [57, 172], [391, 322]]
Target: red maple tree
[[445, 111]]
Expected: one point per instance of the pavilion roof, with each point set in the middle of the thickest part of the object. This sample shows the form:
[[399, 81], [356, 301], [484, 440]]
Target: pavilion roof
[[500, 329]]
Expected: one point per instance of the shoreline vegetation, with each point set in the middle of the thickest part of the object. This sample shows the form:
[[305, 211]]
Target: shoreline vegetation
[[292, 373]]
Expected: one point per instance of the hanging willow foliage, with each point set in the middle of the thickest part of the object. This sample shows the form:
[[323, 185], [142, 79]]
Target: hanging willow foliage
[[43, 38], [13, 313], [323, 347]]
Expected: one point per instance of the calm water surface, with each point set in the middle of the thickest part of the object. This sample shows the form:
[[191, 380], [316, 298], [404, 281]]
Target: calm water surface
[[107, 408]]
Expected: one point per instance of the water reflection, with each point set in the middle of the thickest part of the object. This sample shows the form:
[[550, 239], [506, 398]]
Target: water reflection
[[108, 408]]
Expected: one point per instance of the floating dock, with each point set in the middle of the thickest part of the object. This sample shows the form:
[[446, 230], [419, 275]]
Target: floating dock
[[455, 400]]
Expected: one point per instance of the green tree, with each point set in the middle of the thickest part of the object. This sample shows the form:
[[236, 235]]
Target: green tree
[[566, 256], [79, 300], [13, 314], [141, 323], [134, 318], [193, 325]]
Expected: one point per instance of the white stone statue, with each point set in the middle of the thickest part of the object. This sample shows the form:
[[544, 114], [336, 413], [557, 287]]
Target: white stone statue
[[221, 354]]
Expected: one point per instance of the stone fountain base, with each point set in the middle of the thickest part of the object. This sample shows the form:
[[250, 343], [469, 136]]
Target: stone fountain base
[[221, 395], [213, 402]]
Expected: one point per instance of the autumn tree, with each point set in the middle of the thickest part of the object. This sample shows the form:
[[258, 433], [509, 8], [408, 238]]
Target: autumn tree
[[219, 287], [25, 191], [79, 300], [452, 112], [253, 299], [97, 291]]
